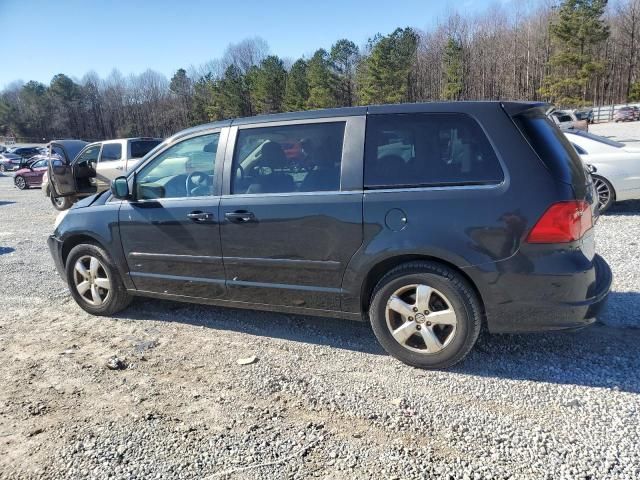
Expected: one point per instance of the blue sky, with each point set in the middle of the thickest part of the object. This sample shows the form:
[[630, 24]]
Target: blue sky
[[40, 38]]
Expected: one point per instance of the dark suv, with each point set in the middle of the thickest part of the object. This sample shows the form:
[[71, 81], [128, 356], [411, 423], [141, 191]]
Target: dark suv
[[428, 220]]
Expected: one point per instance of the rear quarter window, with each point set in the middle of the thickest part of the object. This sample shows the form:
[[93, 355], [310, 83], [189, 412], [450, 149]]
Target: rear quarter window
[[428, 149], [552, 146]]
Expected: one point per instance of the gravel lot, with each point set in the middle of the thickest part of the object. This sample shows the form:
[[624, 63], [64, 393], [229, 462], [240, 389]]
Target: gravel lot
[[322, 400]]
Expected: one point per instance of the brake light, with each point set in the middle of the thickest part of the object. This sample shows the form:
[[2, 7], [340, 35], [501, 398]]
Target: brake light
[[563, 222]]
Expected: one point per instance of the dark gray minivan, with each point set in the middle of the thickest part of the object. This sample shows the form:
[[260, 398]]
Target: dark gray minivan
[[427, 220]]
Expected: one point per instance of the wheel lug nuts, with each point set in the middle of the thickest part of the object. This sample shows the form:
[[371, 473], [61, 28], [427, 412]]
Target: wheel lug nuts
[[418, 327], [426, 312], [415, 309], [410, 319]]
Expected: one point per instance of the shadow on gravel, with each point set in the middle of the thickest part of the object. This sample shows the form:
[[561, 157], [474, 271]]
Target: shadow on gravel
[[597, 356], [622, 209], [622, 311], [5, 250], [336, 333], [4, 202]]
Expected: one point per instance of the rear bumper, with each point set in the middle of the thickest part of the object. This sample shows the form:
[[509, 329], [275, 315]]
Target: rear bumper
[[55, 247], [555, 294]]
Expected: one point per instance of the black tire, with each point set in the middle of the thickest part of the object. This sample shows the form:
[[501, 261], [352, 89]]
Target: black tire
[[60, 203], [20, 182], [117, 297], [600, 184], [461, 297]]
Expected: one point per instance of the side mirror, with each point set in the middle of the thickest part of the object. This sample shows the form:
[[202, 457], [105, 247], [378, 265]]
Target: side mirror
[[120, 188]]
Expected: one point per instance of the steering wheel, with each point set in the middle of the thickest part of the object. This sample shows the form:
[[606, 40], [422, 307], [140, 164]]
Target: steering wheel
[[198, 180]]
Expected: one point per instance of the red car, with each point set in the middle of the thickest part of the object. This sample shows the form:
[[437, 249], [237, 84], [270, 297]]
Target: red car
[[31, 176]]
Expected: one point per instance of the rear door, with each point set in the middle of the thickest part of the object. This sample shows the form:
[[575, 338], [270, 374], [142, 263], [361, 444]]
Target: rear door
[[170, 231], [292, 211]]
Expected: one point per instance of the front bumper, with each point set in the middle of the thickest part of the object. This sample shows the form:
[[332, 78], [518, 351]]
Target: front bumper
[[55, 247]]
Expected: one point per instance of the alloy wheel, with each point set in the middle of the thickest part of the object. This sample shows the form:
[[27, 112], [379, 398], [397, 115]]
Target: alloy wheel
[[21, 183], [91, 280], [603, 191], [421, 319]]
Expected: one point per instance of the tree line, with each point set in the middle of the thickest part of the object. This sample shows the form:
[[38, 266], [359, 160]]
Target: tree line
[[572, 53]]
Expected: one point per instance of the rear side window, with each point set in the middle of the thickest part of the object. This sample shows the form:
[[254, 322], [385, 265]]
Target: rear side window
[[111, 152], [551, 145], [139, 148], [288, 158], [428, 149]]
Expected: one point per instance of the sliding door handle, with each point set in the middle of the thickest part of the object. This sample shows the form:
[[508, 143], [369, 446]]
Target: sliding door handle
[[241, 216]]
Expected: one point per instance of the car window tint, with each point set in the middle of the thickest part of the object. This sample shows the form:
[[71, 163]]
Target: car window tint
[[412, 150], [184, 170], [289, 158], [139, 148], [111, 152]]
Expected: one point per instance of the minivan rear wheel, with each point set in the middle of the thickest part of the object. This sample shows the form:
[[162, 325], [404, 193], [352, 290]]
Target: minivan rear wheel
[[425, 315], [94, 281]]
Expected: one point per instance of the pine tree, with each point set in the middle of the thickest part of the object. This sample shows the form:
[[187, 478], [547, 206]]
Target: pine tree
[[344, 56], [453, 70], [268, 83], [322, 81], [297, 90], [578, 28], [385, 75], [233, 94]]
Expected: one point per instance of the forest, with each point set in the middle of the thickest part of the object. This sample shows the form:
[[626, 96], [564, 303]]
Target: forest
[[571, 53]]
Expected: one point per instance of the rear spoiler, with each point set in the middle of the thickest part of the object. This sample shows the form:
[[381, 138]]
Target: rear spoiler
[[516, 108]]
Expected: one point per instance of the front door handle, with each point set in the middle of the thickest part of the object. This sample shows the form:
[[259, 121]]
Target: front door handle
[[198, 216], [241, 216]]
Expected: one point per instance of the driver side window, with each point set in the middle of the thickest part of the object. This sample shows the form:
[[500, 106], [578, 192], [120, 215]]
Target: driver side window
[[184, 170]]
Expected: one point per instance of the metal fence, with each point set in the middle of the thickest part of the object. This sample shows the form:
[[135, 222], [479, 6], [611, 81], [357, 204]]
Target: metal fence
[[606, 113]]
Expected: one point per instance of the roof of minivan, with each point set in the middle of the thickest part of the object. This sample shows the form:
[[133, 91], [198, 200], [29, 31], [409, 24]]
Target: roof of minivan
[[511, 107]]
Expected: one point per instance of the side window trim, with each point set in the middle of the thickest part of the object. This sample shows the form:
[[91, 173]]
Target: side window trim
[[351, 160], [428, 186], [218, 166]]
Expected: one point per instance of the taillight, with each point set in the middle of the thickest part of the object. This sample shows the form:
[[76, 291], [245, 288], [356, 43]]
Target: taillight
[[563, 222]]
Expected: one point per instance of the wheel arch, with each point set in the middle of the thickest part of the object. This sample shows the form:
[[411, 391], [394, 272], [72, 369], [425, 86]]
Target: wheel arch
[[380, 269], [73, 241]]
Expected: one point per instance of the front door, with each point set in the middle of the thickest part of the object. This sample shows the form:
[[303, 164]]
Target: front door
[[69, 178], [111, 164], [289, 229], [170, 231]]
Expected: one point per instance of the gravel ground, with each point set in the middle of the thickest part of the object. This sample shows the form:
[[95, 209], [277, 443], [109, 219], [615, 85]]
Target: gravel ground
[[623, 131], [322, 400]]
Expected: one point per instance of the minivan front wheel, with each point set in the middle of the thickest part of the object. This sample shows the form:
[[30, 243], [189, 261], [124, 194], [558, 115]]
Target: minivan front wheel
[[94, 281], [425, 315], [60, 203]]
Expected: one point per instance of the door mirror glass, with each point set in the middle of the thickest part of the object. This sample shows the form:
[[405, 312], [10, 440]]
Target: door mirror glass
[[120, 188]]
